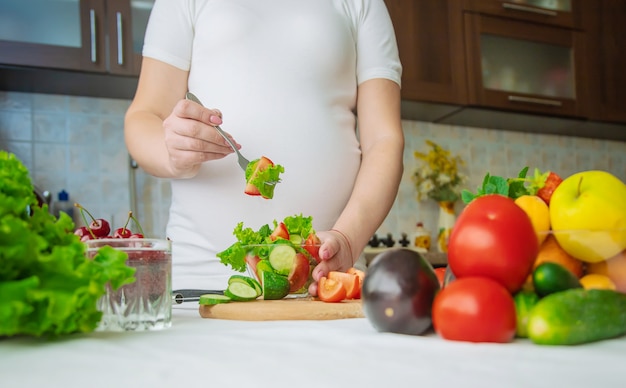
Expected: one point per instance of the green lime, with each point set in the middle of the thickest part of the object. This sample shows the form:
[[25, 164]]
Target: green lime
[[275, 286]]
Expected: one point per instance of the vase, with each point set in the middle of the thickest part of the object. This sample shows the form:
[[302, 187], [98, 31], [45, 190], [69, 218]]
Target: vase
[[447, 217]]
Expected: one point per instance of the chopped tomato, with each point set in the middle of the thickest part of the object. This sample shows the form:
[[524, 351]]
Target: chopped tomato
[[350, 282], [260, 165], [441, 274], [312, 245], [361, 276], [280, 232], [357, 272], [330, 290]]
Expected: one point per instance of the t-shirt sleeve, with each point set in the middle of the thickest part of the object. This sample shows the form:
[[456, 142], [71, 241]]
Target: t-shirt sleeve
[[376, 44], [169, 34]]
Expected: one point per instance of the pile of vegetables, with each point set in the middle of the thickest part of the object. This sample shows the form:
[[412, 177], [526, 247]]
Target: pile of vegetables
[[48, 287]]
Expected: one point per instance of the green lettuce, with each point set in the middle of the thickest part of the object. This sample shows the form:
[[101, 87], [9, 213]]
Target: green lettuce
[[48, 286], [235, 255]]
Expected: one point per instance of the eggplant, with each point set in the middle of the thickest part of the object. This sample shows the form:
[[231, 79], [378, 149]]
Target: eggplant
[[398, 292]]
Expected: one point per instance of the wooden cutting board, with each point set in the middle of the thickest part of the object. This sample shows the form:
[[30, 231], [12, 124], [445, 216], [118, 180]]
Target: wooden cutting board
[[283, 309]]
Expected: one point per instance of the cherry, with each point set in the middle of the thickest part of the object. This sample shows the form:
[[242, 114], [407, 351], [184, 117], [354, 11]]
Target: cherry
[[122, 233], [98, 227]]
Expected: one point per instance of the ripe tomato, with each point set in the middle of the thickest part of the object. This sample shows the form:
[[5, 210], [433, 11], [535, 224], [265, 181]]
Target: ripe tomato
[[330, 290], [441, 274], [350, 282], [312, 245], [493, 237], [474, 309]]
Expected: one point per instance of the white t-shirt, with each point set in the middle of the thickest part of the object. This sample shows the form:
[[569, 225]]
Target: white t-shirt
[[284, 73]]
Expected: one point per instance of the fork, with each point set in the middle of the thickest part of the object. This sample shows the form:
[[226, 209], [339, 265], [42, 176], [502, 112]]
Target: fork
[[243, 162]]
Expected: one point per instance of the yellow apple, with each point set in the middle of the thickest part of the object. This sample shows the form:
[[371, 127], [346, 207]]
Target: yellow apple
[[588, 215]]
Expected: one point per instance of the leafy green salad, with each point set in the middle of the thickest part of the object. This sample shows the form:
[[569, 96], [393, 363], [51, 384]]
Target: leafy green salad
[[298, 228], [48, 286]]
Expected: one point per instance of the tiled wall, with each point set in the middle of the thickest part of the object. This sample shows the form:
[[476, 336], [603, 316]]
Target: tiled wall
[[77, 144]]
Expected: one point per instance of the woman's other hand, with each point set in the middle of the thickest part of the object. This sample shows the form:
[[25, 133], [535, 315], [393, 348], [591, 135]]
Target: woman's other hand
[[335, 254]]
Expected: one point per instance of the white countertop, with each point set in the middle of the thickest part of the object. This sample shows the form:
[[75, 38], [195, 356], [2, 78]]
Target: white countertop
[[199, 352]]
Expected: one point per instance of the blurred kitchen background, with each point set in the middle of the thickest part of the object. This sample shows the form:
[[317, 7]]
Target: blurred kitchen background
[[502, 84], [77, 144]]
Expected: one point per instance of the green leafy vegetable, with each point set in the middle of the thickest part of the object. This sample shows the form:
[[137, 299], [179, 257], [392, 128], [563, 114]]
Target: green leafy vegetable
[[48, 286], [510, 187], [235, 255], [260, 178]]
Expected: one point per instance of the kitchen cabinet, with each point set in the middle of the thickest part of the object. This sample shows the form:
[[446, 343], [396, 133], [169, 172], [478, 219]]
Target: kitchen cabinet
[[605, 29], [430, 43], [520, 66], [544, 66], [65, 46], [564, 13]]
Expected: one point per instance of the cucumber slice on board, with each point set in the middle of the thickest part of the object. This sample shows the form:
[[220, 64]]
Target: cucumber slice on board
[[282, 257], [246, 280], [241, 291], [275, 286], [211, 299]]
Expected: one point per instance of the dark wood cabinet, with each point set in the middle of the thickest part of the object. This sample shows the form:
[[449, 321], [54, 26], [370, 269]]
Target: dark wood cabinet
[[605, 31], [90, 35], [563, 13], [520, 66], [75, 47], [430, 42], [548, 66]]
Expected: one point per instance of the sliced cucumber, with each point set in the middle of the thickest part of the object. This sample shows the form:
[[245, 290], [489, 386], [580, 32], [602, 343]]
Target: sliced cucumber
[[241, 291], [282, 257], [211, 299], [247, 280], [296, 239], [275, 286]]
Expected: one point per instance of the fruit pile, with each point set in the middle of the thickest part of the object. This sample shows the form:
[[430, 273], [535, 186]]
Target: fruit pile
[[536, 260], [542, 258], [100, 228]]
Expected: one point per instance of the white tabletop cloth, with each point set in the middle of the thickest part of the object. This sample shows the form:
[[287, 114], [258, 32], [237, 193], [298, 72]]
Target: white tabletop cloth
[[198, 352]]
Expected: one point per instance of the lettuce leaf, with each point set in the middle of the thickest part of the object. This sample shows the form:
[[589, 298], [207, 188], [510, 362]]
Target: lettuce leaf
[[235, 255], [48, 286]]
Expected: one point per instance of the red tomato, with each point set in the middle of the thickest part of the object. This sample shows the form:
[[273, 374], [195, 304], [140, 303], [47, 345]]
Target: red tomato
[[330, 290], [280, 232], [493, 237], [312, 245], [361, 276], [441, 273], [350, 282], [474, 309]]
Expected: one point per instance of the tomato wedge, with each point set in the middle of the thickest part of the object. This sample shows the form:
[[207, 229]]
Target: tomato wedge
[[361, 276], [330, 290], [350, 282]]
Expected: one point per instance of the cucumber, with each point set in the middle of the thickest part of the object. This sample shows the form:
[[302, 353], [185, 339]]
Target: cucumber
[[549, 278], [241, 291], [275, 286], [211, 299], [524, 302], [296, 239], [577, 316], [282, 257], [246, 280]]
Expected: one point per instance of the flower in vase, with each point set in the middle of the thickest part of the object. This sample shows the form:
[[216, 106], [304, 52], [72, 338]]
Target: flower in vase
[[438, 176]]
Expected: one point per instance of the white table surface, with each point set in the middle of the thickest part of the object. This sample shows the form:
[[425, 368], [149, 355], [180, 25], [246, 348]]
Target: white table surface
[[199, 352]]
